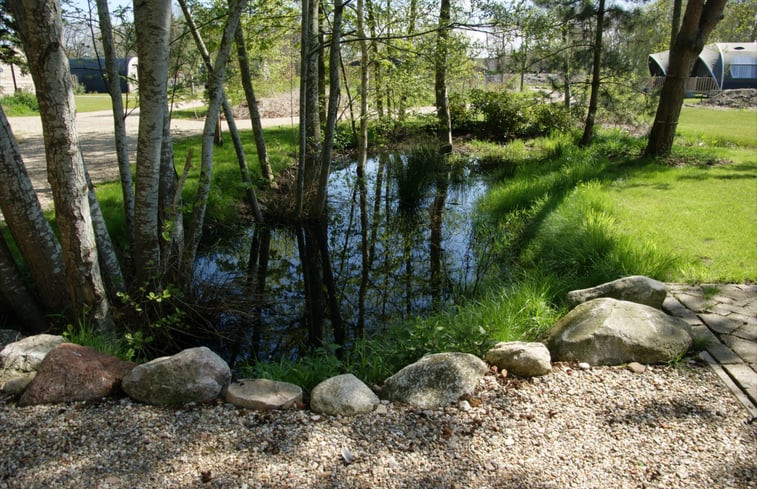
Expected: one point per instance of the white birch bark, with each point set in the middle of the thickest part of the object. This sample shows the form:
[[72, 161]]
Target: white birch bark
[[216, 98], [30, 229], [119, 123], [41, 31], [152, 21]]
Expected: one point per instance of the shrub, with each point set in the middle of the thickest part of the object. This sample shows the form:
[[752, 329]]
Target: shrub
[[502, 113], [20, 103]]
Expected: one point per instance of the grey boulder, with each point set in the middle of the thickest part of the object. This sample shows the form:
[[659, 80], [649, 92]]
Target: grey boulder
[[20, 360], [525, 359], [343, 395], [611, 332], [263, 394], [636, 288], [193, 375], [435, 380]]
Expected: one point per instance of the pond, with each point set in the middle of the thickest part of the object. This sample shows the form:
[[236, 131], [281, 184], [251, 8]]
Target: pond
[[394, 248]]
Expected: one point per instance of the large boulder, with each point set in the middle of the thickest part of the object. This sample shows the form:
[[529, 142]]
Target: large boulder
[[435, 380], [636, 288], [193, 375], [611, 332], [343, 395], [19, 361], [526, 359], [263, 394], [75, 373]]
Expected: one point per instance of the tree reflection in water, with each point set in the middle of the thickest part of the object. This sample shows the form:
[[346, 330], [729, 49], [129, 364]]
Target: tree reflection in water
[[380, 257]]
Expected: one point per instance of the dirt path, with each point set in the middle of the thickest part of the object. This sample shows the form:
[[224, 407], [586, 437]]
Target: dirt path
[[98, 147]]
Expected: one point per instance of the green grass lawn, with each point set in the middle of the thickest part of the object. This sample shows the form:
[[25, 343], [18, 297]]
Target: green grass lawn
[[705, 215], [717, 127], [595, 214], [89, 102]]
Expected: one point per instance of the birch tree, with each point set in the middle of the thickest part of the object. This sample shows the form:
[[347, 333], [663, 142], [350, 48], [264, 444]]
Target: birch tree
[[38, 245], [41, 32], [152, 21]]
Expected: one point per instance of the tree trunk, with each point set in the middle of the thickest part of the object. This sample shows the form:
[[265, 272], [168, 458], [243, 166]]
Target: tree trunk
[[310, 129], [362, 158], [110, 268], [252, 104], [566, 66], [333, 110], [595, 80], [152, 22], [228, 113], [215, 89], [170, 218], [41, 30], [13, 289], [371, 19], [675, 22], [699, 20], [444, 132], [30, 229], [119, 123]]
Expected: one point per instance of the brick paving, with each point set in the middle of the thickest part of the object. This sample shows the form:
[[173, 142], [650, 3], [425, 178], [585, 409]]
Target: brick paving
[[723, 319]]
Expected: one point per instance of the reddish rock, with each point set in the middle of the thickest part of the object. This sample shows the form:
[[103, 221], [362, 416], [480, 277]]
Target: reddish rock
[[75, 373]]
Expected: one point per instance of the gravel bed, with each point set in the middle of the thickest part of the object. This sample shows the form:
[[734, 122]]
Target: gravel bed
[[668, 427]]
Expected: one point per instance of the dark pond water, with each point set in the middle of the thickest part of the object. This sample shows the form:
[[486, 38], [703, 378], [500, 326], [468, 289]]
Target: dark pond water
[[396, 250]]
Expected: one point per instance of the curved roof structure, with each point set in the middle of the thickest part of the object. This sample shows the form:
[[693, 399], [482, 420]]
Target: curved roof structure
[[729, 64]]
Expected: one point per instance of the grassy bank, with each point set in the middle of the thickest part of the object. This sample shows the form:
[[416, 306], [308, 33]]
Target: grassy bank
[[564, 217], [558, 217]]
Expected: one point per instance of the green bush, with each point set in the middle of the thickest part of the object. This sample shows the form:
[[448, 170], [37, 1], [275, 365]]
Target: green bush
[[20, 103], [502, 113]]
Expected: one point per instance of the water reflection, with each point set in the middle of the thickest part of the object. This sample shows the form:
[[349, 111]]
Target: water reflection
[[387, 252]]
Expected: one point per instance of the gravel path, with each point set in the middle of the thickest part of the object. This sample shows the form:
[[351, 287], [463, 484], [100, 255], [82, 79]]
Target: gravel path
[[668, 427]]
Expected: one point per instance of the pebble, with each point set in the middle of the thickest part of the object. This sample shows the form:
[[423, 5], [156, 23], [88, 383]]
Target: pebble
[[612, 429]]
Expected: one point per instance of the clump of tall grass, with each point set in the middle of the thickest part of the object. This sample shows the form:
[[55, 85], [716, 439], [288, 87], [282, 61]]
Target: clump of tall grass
[[416, 172]]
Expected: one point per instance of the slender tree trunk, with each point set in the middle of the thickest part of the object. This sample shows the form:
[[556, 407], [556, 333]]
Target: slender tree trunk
[[675, 22], [252, 104], [119, 123], [566, 66], [333, 109], [152, 22], [215, 89], [303, 138], [371, 19], [308, 175], [41, 31], [362, 157], [321, 65], [444, 132], [15, 292], [595, 78], [699, 20], [228, 113], [170, 218], [110, 268], [30, 229]]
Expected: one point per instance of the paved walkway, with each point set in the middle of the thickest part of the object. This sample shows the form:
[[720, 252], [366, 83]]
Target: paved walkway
[[724, 322]]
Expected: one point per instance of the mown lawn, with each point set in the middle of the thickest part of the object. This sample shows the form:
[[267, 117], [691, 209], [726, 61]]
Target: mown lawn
[[604, 212]]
